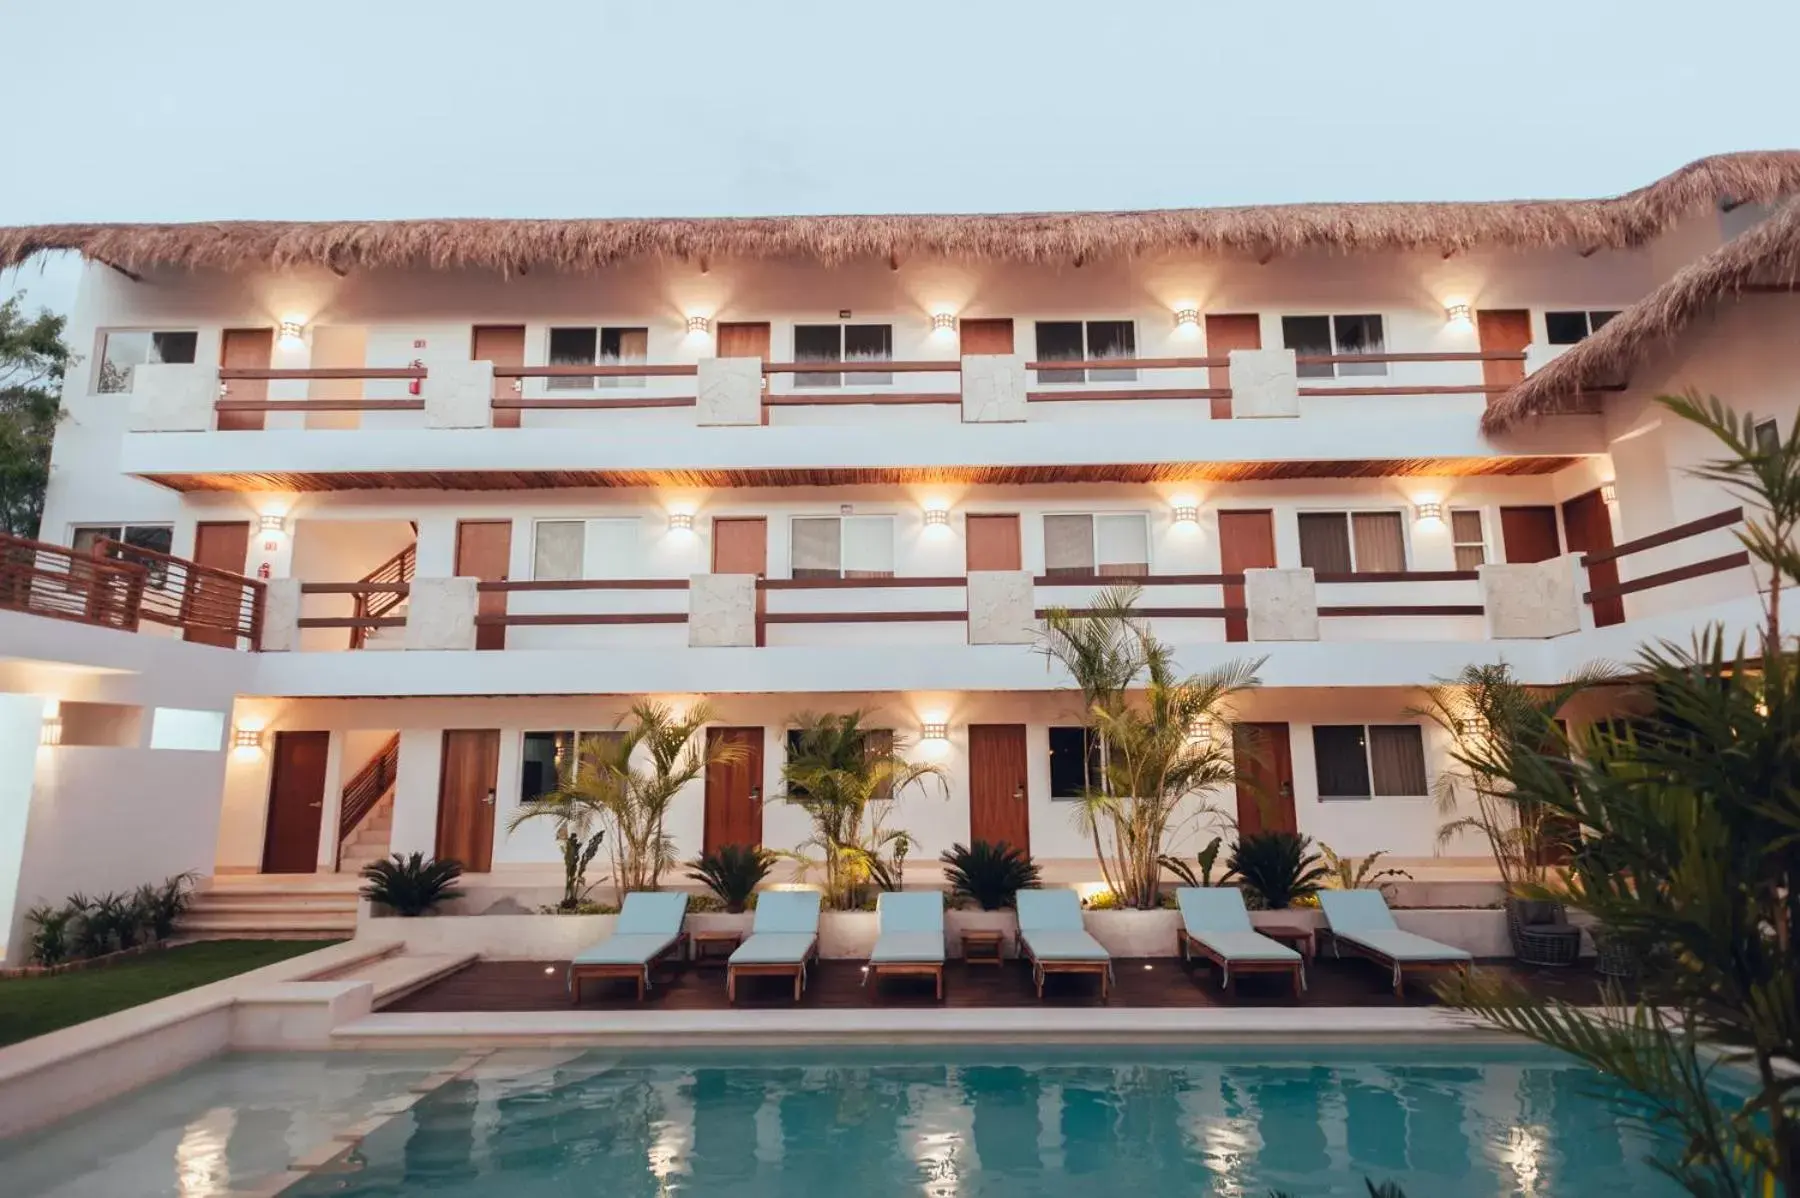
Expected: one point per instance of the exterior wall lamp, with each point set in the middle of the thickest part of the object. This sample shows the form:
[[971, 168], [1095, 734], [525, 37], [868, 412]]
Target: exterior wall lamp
[[934, 730], [273, 525], [1609, 494], [246, 738], [1430, 510], [1458, 315], [1187, 318], [292, 334], [943, 322], [681, 522], [698, 324], [936, 518], [1186, 514]]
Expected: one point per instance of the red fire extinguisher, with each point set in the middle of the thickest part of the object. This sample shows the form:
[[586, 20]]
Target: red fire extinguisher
[[412, 385], [263, 571]]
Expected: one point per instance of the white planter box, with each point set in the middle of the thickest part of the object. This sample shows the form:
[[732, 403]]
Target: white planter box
[[1135, 933]]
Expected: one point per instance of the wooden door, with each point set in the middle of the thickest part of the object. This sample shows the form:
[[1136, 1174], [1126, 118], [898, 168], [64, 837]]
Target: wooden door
[[1529, 534], [503, 345], [992, 542], [999, 806], [1503, 331], [245, 349], [216, 601], [1263, 760], [734, 789], [1589, 527], [1224, 334], [743, 339], [740, 545], [986, 335], [484, 551], [465, 814], [1246, 542], [296, 803]]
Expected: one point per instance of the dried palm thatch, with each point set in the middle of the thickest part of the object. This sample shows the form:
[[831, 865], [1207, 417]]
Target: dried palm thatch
[[1766, 256], [509, 245]]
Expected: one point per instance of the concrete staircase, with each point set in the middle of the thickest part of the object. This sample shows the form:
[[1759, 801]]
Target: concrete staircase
[[369, 842], [273, 907]]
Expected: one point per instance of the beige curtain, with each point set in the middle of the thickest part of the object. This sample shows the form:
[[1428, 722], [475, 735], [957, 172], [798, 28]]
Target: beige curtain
[[1397, 755], [1324, 542], [1466, 534], [1068, 544], [558, 552], [1380, 546], [816, 547]]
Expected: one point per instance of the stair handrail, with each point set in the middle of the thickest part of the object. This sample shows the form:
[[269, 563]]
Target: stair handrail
[[398, 568], [364, 790]]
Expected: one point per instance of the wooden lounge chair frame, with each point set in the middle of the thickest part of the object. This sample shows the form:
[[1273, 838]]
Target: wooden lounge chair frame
[[677, 948], [1191, 947], [1039, 969], [931, 969], [1400, 968], [771, 969]]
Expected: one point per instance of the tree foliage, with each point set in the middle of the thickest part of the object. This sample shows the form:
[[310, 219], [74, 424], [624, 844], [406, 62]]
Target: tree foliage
[[32, 360], [1689, 817]]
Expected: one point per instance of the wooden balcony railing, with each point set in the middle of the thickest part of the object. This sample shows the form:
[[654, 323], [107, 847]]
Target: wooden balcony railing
[[208, 605], [1656, 540], [832, 398], [362, 619], [227, 375], [56, 581], [398, 568], [509, 619], [520, 402]]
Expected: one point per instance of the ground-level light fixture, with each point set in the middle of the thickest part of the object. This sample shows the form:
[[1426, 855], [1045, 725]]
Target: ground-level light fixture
[[1430, 510], [943, 322], [698, 324], [681, 522], [1458, 315]]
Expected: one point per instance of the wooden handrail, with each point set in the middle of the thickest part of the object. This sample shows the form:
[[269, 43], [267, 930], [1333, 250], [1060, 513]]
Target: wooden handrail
[[608, 370], [1405, 609], [193, 597], [515, 619], [826, 399], [861, 584], [864, 366], [1127, 363], [356, 588], [1667, 536], [1133, 393], [365, 789], [1714, 565], [351, 622], [1399, 576], [862, 617], [41, 579], [1142, 580], [1166, 613], [319, 405], [545, 403], [584, 584], [1458, 356], [231, 373]]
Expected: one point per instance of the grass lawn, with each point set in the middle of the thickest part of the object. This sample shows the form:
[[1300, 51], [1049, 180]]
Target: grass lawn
[[32, 1006]]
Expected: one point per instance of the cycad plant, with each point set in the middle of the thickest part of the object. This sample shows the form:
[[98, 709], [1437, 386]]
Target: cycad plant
[[1690, 817], [1148, 724], [1278, 868], [622, 784], [411, 885], [846, 776], [732, 873], [989, 874]]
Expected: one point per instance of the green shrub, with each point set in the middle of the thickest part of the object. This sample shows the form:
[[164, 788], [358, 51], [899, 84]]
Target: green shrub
[[732, 873], [411, 885], [1208, 857], [1280, 868], [989, 874], [163, 906], [52, 932]]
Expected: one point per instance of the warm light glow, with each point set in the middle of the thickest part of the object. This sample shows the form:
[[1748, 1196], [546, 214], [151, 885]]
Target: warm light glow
[[1201, 733], [681, 522], [53, 728], [1609, 494], [1092, 890], [943, 322], [272, 524], [246, 738], [1431, 511], [934, 731], [936, 518], [698, 324], [1458, 316], [1187, 318], [1187, 515], [292, 333]]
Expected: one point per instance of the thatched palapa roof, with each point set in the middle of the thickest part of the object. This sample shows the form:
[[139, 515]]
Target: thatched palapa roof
[[1766, 256], [1619, 222]]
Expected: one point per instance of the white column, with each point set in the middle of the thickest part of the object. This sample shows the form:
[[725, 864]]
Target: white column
[[416, 791], [436, 547], [21, 731], [332, 804]]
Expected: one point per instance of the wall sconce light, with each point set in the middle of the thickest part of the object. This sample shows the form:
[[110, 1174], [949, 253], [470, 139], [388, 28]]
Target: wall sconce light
[[698, 324], [292, 334], [681, 522], [246, 738], [1202, 732], [936, 518], [934, 730], [1431, 511], [1187, 318], [1458, 315], [274, 525], [943, 322], [53, 729], [1186, 514], [1609, 494]]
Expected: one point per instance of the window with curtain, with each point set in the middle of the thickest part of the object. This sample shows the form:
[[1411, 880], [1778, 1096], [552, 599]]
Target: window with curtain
[[557, 550], [842, 547], [1468, 538], [1324, 336], [597, 346], [1356, 761], [847, 343], [1352, 542], [620, 347], [1116, 544], [122, 352], [1079, 340], [547, 759]]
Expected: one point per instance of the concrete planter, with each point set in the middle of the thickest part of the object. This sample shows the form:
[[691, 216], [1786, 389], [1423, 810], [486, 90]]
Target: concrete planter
[[1135, 933]]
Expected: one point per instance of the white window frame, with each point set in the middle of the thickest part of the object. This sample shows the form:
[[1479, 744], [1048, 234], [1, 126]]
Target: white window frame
[[1406, 545], [1094, 514], [1487, 549], [1121, 375], [1358, 369], [103, 335], [1587, 315], [1369, 759], [815, 382], [893, 523], [588, 563], [597, 382]]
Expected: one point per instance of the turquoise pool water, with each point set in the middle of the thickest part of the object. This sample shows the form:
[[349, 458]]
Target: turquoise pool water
[[1443, 1122]]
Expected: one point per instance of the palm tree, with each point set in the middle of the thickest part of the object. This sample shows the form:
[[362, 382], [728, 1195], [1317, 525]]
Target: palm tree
[[608, 790], [845, 776], [1153, 755], [1490, 717]]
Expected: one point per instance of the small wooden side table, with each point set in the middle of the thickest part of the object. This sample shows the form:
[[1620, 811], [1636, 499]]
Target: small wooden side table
[[713, 946], [1294, 933], [984, 947]]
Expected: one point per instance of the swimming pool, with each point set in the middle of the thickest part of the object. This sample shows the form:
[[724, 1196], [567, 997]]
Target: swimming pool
[[1444, 1122]]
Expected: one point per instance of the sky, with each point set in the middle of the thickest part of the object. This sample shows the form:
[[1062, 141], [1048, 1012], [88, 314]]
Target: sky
[[397, 108]]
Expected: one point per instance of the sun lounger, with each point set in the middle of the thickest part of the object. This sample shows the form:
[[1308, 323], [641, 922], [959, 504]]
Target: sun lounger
[[909, 937], [1215, 925], [648, 929], [1053, 940], [784, 939], [1361, 920]]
